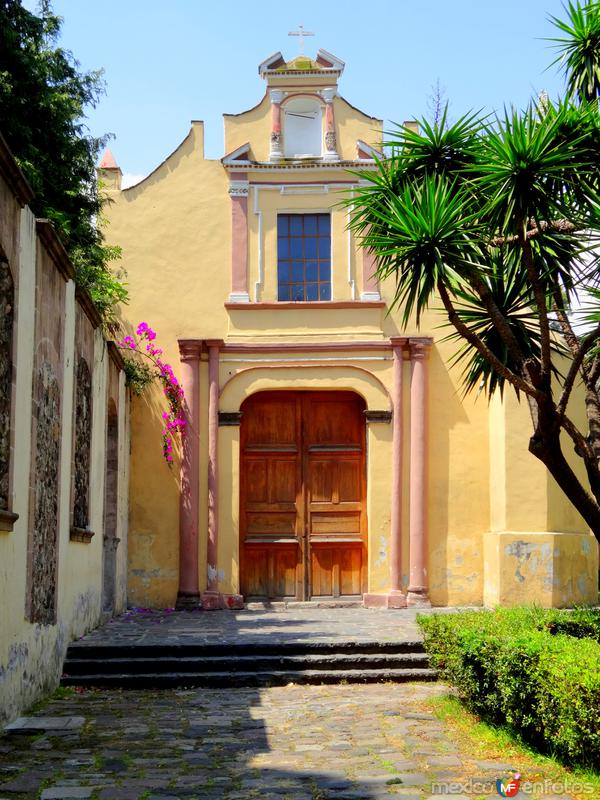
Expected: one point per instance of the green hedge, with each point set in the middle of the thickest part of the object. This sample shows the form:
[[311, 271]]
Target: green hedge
[[521, 667]]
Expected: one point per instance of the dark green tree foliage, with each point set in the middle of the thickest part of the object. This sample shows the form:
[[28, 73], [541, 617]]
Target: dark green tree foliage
[[43, 97], [579, 49], [497, 220]]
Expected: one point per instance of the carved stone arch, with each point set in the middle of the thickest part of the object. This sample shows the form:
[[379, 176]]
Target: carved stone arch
[[7, 301], [313, 377]]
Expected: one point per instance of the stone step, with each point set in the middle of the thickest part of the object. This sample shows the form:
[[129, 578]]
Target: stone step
[[158, 680], [234, 663], [166, 649]]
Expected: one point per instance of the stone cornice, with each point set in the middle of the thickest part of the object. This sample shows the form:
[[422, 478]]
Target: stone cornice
[[55, 248], [89, 307], [190, 349], [276, 166], [14, 176], [115, 354]]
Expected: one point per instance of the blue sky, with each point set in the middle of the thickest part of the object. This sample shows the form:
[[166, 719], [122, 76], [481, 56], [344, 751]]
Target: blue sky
[[166, 63]]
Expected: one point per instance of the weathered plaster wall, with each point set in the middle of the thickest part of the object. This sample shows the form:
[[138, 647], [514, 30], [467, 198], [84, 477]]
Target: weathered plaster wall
[[175, 231], [32, 649]]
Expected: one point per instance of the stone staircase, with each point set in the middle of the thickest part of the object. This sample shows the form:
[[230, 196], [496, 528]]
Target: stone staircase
[[137, 666]]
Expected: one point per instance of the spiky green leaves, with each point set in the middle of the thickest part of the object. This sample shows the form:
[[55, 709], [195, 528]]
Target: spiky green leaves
[[579, 49]]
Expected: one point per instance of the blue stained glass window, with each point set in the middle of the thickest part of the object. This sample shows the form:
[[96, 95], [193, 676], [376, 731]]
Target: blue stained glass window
[[324, 224], [312, 271], [310, 224], [310, 248], [297, 275], [296, 248], [303, 257]]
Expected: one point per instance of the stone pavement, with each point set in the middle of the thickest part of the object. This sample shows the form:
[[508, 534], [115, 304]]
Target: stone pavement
[[302, 624], [344, 742]]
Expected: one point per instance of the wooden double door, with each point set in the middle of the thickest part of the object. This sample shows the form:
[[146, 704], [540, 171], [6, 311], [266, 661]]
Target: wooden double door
[[303, 525]]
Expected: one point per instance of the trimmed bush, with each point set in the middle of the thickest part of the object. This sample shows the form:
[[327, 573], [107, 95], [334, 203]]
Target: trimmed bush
[[518, 667]]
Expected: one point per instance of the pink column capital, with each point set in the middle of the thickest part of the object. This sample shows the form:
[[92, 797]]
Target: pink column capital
[[189, 503], [418, 588]]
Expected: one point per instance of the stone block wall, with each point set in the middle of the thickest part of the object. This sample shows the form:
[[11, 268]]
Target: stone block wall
[[63, 444]]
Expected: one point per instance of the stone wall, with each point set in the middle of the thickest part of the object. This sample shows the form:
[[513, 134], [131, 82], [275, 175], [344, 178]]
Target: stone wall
[[7, 299], [54, 423]]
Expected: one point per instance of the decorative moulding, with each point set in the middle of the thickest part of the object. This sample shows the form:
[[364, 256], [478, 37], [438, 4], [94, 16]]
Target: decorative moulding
[[229, 418], [370, 297], [239, 297], [81, 535], [7, 520], [311, 306], [238, 188], [378, 416]]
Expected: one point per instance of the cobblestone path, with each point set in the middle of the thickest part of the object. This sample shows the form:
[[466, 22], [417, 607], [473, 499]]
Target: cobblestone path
[[284, 743]]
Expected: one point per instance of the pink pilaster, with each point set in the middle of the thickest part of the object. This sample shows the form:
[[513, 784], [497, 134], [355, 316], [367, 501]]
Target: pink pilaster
[[418, 588], [188, 594], [238, 191], [394, 597], [396, 521], [213, 467], [330, 153], [276, 153], [370, 290]]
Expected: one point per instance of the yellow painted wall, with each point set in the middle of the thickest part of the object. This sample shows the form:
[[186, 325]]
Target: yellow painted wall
[[175, 231], [31, 655]]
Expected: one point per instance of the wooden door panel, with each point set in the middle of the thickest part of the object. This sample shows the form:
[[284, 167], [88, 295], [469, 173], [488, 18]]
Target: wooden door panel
[[349, 480], [255, 573], [285, 568], [334, 420], [271, 421], [350, 570], [322, 562], [256, 480], [302, 494], [263, 525], [334, 524]]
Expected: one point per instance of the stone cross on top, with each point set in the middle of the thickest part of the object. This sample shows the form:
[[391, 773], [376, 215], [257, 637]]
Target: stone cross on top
[[301, 33]]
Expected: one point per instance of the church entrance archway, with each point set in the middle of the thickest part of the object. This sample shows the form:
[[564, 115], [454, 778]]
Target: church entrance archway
[[303, 522]]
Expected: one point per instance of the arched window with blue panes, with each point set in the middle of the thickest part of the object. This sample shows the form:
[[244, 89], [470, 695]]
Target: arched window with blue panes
[[303, 257]]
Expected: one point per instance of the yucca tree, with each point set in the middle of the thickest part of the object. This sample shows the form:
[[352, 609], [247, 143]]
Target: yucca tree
[[496, 220], [579, 49]]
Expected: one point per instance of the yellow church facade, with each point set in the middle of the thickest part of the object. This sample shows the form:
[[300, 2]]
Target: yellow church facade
[[329, 454]]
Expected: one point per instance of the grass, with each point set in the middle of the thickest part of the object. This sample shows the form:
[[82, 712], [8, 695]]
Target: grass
[[60, 693], [483, 742]]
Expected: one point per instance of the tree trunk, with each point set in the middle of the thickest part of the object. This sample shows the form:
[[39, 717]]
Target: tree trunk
[[547, 448]]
